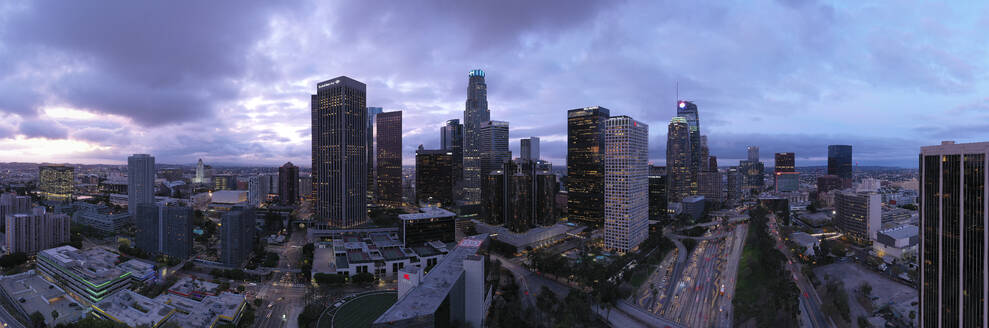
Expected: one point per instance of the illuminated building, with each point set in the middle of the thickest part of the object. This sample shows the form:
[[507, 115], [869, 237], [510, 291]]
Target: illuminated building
[[388, 151], [679, 174], [56, 182], [475, 112], [434, 176], [452, 140], [339, 152], [288, 184], [858, 215], [585, 164], [626, 183], [164, 230], [784, 163]]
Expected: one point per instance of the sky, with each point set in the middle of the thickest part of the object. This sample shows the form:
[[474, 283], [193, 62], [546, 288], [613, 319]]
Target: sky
[[230, 81]]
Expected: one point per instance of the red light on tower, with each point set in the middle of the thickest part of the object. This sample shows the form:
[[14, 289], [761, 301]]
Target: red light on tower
[[406, 276]]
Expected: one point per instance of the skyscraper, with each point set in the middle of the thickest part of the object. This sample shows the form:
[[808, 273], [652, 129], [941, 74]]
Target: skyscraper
[[35, 231], [709, 185], [475, 112], [339, 152], [753, 152], [140, 181], [521, 195], [688, 111], [678, 160], [785, 173], [237, 235], [388, 149], [840, 163], [200, 173], [657, 192], [585, 164], [735, 181], [784, 163], [493, 144], [752, 176], [56, 182], [953, 218], [626, 183], [529, 148], [288, 184], [452, 139], [434, 176], [258, 188], [164, 230], [372, 181]]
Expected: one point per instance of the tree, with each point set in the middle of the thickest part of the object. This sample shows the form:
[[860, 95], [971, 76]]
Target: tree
[[812, 208], [13, 259], [37, 320]]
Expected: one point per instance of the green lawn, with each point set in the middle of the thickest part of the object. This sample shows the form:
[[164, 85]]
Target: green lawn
[[362, 311]]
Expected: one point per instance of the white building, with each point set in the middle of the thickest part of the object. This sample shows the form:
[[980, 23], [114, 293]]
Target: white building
[[258, 188], [858, 215], [626, 183], [896, 242]]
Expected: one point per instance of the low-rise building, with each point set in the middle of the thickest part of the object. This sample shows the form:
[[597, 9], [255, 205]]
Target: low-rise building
[[896, 242], [209, 311], [431, 224], [133, 309], [101, 218], [536, 237], [694, 206], [89, 275], [378, 253], [806, 241], [28, 292]]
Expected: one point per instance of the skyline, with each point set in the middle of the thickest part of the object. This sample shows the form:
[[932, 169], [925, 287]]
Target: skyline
[[74, 89]]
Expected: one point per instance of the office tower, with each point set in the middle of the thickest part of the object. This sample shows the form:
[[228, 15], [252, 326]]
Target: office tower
[[735, 181], [140, 181], [237, 234], [171, 173], [388, 152], [529, 148], [689, 112], [56, 182], [520, 195], [752, 173], [657, 192], [288, 184], [678, 161], [953, 217], [164, 230], [258, 188], [709, 185], [705, 155], [224, 182], [753, 152], [784, 163], [475, 112], [626, 183], [339, 152], [305, 187], [200, 173], [434, 176], [35, 231], [493, 145], [372, 182], [840, 163], [827, 183], [585, 164], [858, 215], [452, 140], [712, 163]]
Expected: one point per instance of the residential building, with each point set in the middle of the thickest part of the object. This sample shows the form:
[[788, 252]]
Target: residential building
[[434, 176], [953, 217], [585, 164], [56, 182], [237, 235], [339, 154], [140, 181], [35, 231], [840, 163], [679, 172], [11, 203], [475, 112], [288, 184], [165, 230], [626, 183], [529, 147], [258, 189], [858, 215]]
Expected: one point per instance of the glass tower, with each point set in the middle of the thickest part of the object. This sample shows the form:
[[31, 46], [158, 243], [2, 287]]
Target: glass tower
[[840, 163], [339, 152], [585, 164]]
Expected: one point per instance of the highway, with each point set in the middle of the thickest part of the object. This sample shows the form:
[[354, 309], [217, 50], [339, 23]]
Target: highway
[[8, 321], [807, 291]]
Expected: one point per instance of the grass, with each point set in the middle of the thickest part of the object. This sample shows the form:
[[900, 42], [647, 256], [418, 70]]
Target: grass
[[361, 312]]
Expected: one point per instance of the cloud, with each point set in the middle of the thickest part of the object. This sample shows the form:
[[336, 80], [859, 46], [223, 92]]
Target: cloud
[[43, 129]]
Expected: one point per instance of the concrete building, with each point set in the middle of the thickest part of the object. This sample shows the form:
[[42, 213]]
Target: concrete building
[[858, 215], [431, 224], [734, 186], [165, 230], [258, 189], [140, 181], [56, 182], [787, 181], [455, 290], [475, 112], [826, 183], [35, 231], [305, 187], [102, 218], [28, 292], [224, 182], [339, 152], [953, 242], [376, 253], [626, 183], [894, 243], [753, 153], [200, 172], [237, 234], [452, 140], [709, 185], [529, 147], [388, 153], [784, 162], [585, 164], [133, 309], [90, 275], [11, 203], [288, 184]]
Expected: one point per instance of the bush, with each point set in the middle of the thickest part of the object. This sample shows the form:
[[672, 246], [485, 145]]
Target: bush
[[363, 278], [330, 278], [13, 259]]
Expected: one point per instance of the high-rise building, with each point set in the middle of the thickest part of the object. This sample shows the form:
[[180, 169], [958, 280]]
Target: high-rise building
[[237, 235], [520, 195], [827, 183], [626, 183], [953, 218], [585, 164], [709, 185], [35, 231], [784, 163], [688, 111], [434, 176], [288, 184], [258, 188], [712, 163], [529, 148], [339, 152], [753, 152], [11, 203], [493, 144], [475, 112], [679, 174], [56, 182], [372, 182], [305, 187], [140, 181], [657, 193], [858, 215], [787, 181], [165, 230], [705, 156], [452, 140], [840, 163], [388, 150], [224, 182], [200, 172], [752, 174], [735, 181]]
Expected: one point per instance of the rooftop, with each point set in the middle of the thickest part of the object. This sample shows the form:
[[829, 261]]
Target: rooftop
[[35, 294], [427, 213], [436, 285], [94, 265], [133, 309], [901, 232]]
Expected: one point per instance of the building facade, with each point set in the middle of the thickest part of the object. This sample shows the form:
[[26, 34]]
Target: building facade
[[237, 236], [679, 173], [626, 183], [840, 163], [529, 147], [953, 217], [435, 176], [372, 182], [585, 164], [475, 112], [657, 193], [688, 111], [452, 140], [493, 145], [388, 152], [858, 215], [784, 162], [288, 184], [56, 182], [140, 181], [339, 152], [31, 232], [165, 230]]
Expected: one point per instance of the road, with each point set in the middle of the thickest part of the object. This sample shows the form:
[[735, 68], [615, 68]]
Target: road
[[812, 302], [284, 297], [8, 321]]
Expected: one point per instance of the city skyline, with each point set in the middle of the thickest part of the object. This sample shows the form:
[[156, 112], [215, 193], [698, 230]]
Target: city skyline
[[836, 79]]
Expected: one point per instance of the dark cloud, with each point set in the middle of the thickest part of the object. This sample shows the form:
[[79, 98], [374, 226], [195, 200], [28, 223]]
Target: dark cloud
[[43, 129]]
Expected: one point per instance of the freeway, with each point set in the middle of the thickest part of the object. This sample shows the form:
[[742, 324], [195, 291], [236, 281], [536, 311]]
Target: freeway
[[807, 290], [8, 321]]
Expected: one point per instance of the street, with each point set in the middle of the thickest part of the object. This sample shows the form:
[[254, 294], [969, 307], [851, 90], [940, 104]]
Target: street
[[812, 302]]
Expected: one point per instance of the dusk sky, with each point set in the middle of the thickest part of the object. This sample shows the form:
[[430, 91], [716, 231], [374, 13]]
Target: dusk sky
[[230, 82]]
